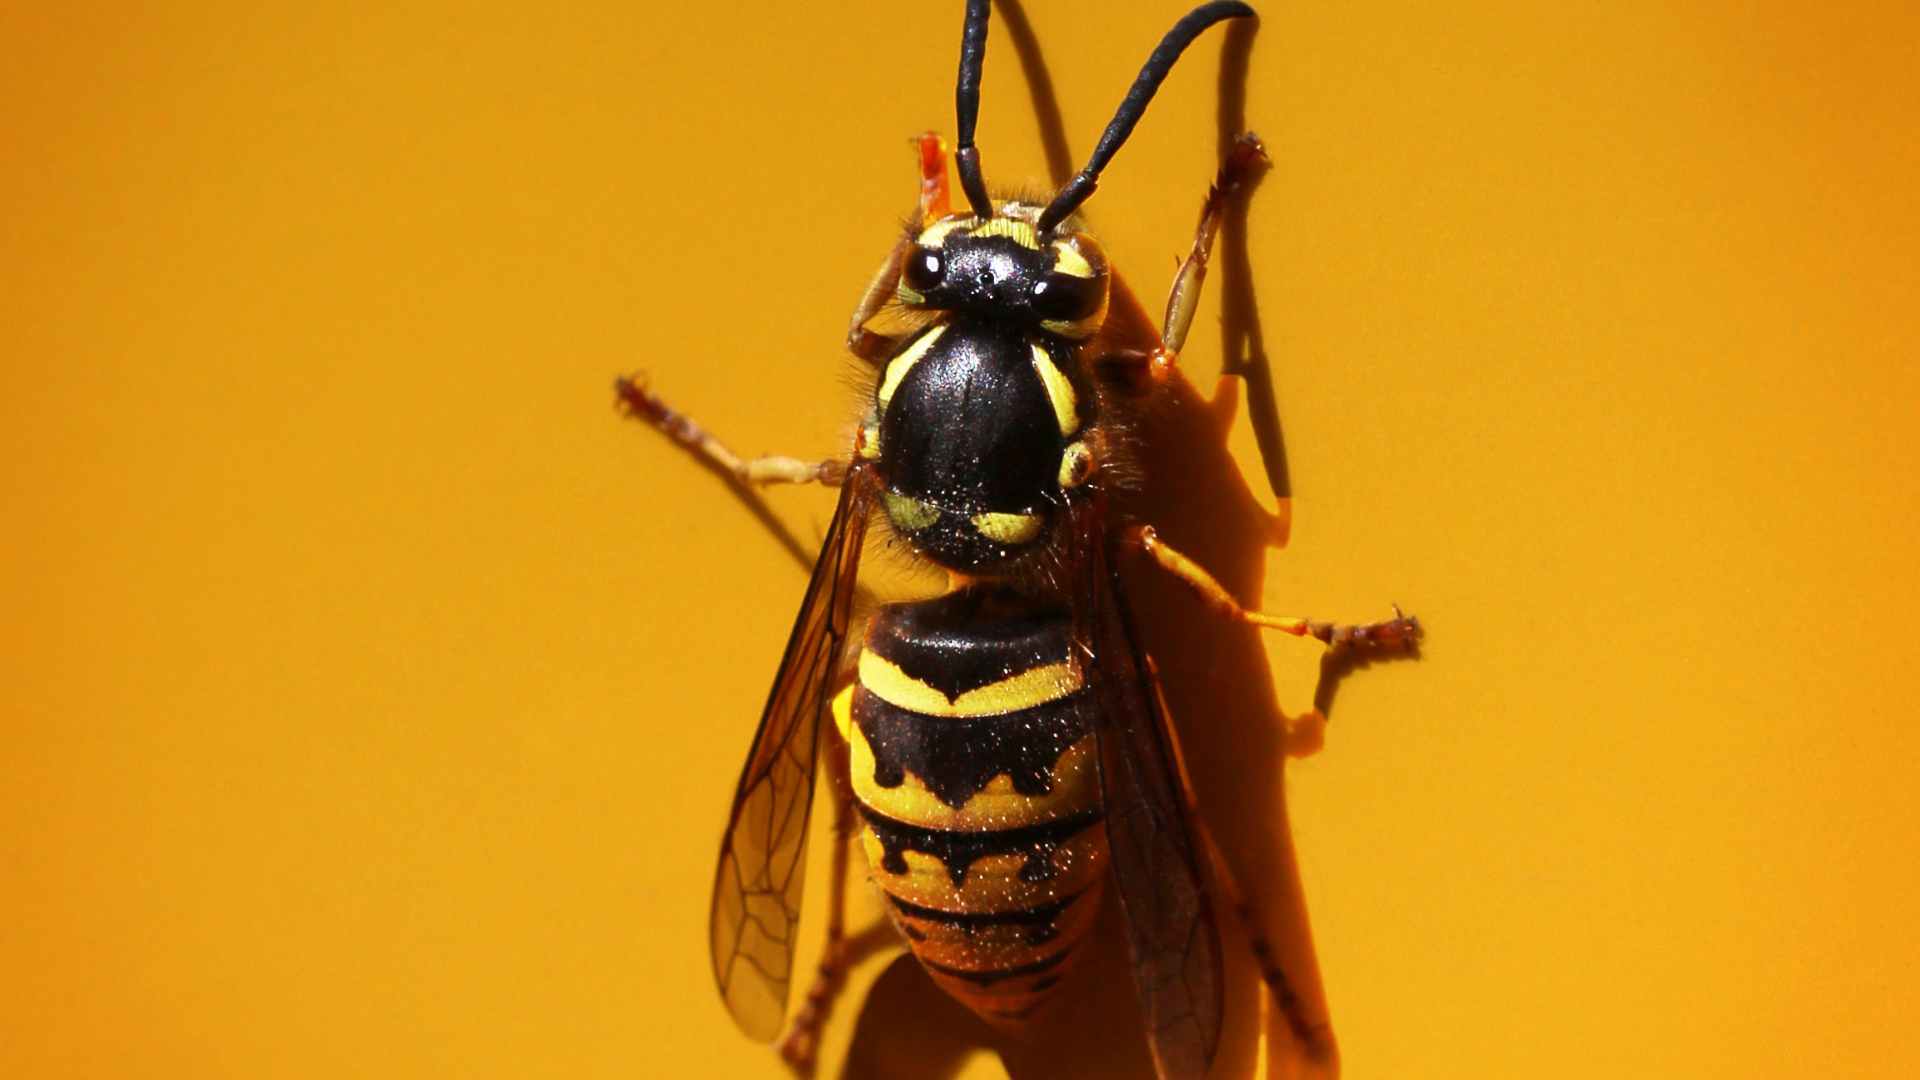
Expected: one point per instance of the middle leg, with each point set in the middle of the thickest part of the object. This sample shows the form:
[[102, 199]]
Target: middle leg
[[1400, 632]]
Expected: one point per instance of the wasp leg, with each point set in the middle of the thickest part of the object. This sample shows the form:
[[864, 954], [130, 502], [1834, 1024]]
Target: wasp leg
[[802, 1043], [1243, 163], [1136, 367], [1400, 632], [1315, 1035], [933, 203], [643, 404]]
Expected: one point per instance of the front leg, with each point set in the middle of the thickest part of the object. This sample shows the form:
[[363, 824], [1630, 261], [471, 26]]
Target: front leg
[[1148, 368]]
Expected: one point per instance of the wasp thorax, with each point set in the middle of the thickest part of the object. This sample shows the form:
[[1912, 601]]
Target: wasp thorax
[[1002, 269]]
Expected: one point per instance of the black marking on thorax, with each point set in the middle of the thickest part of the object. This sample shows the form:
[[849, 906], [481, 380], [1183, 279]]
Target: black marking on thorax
[[959, 850]]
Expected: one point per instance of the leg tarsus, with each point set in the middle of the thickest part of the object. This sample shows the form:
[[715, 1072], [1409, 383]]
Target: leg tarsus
[[1400, 632]]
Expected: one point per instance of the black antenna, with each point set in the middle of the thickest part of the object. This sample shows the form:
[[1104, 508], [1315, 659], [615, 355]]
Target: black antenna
[[1134, 105], [966, 106]]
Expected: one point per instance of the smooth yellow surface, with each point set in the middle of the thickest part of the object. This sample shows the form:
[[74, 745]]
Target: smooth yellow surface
[[375, 693]]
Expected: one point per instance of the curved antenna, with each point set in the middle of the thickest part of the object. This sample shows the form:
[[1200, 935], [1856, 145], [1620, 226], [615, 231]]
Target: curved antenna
[[1134, 105], [966, 107]]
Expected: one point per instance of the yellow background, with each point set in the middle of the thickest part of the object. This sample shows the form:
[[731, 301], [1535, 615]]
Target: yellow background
[[374, 693]]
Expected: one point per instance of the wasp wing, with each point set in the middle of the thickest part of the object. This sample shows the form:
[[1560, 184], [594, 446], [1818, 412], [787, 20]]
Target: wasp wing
[[1171, 931], [757, 887]]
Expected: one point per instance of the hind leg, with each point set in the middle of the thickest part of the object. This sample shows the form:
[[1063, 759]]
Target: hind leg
[[801, 1045]]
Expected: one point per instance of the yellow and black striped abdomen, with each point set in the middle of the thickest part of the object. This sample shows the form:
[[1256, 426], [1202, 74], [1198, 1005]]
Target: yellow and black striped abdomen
[[975, 775]]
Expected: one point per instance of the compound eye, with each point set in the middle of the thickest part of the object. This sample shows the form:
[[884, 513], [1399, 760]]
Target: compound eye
[[924, 269], [1065, 297]]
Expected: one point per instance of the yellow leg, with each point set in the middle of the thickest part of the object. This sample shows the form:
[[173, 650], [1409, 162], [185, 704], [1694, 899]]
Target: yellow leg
[[1401, 631], [1139, 370], [643, 404], [1245, 160]]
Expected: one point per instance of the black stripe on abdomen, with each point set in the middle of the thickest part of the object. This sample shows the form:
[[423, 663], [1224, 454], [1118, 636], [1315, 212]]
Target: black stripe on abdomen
[[955, 757], [988, 978], [1038, 923], [959, 850]]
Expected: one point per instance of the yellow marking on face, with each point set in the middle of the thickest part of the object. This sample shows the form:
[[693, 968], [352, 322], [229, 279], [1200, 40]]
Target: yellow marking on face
[[1068, 260], [1034, 686], [898, 367], [1007, 528], [907, 513], [1066, 406], [1020, 232], [1076, 464], [935, 235]]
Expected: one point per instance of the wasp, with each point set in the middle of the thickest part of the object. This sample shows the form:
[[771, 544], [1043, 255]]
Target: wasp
[[1001, 750]]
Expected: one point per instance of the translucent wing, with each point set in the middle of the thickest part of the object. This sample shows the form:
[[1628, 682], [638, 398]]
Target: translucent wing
[[756, 890], [1171, 932]]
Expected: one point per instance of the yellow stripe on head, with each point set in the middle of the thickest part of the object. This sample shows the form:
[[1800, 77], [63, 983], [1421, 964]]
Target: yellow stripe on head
[[935, 235], [1020, 232]]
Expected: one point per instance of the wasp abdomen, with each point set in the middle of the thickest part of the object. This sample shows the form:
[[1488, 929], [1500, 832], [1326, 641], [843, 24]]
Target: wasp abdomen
[[974, 769]]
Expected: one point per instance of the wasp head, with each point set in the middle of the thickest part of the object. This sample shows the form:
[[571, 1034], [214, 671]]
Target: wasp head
[[1001, 270]]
